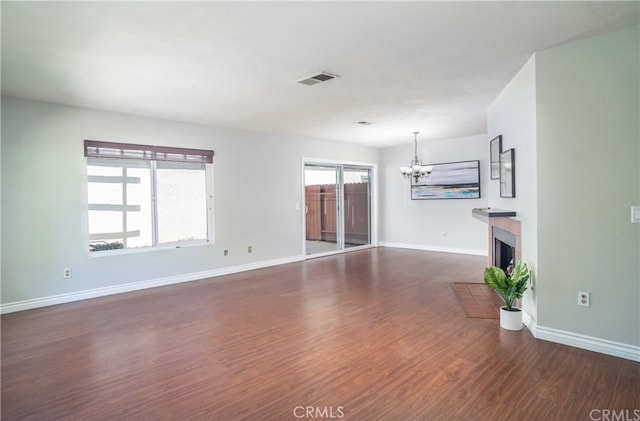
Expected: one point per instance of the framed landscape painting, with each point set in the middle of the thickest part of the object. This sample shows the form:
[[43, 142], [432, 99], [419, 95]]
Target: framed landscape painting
[[451, 180]]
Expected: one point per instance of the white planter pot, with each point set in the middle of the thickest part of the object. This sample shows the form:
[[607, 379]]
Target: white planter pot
[[511, 320]]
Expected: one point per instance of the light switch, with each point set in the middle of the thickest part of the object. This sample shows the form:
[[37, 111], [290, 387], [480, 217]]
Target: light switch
[[635, 214]]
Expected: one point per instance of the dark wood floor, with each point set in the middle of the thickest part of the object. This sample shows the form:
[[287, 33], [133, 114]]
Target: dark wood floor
[[369, 335]]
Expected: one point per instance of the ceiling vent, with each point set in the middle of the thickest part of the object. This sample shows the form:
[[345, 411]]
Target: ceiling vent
[[320, 77]]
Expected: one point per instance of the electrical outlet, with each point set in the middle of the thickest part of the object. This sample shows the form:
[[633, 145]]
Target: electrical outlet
[[226, 252], [249, 249], [66, 273], [584, 298]]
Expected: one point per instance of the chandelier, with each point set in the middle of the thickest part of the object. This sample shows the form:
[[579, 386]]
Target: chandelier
[[416, 170]]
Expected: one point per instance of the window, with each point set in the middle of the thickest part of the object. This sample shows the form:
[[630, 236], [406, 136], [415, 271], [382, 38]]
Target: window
[[145, 196]]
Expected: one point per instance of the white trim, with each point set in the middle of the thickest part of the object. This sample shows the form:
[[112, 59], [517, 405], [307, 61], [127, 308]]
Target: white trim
[[147, 249], [303, 208], [308, 160], [577, 340], [374, 183], [474, 252], [529, 323], [336, 252], [604, 346], [134, 286]]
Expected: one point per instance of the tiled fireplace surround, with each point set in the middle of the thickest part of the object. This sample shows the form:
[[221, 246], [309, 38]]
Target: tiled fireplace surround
[[508, 224]]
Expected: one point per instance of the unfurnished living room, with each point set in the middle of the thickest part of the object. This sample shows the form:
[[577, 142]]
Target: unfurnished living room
[[320, 210]]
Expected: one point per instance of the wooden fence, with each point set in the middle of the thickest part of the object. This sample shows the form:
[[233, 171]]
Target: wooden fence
[[321, 218]]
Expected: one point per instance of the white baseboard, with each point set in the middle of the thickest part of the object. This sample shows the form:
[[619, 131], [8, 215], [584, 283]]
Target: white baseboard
[[474, 252], [577, 340], [529, 323], [134, 286]]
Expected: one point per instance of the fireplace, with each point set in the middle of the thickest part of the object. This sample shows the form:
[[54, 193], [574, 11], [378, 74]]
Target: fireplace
[[504, 235], [504, 248], [504, 241]]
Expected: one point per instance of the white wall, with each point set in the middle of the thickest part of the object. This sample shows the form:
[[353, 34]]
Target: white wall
[[588, 178], [44, 216], [513, 115], [441, 225]]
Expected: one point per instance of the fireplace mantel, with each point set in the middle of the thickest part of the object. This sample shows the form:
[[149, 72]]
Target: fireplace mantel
[[493, 212], [504, 220]]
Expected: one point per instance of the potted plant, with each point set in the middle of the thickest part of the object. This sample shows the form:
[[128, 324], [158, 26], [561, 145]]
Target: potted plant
[[510, 286]]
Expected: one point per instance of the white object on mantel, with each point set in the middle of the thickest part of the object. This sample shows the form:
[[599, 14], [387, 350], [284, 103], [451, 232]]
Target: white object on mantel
[[511, 320]]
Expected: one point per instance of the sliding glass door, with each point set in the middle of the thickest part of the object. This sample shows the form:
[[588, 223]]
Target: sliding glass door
[[357, 206], [337, 207], [321, 208]]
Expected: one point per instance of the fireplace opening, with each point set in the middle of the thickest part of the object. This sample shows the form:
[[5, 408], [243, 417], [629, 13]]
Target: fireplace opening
[[504, 249]]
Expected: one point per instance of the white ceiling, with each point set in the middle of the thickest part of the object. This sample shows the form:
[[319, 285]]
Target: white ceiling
[[403, 66]]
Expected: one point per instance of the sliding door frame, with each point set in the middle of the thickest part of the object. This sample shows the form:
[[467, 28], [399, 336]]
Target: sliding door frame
[[373, 204]]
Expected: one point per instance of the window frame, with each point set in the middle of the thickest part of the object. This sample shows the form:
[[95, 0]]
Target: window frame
[[149, 153]]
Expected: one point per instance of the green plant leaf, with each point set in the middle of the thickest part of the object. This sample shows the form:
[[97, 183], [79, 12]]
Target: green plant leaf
[[510, 288], [495, 278], [520, 271]]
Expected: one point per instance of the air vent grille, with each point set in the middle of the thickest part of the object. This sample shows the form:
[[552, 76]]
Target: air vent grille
[[318, 78]]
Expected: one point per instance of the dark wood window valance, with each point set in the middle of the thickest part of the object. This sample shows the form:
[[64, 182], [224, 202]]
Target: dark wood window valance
[[100, 149]]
